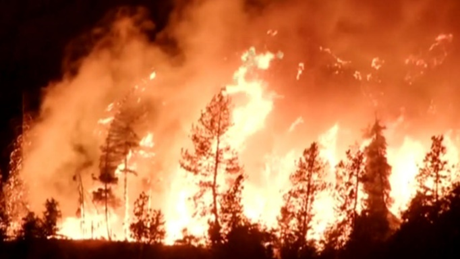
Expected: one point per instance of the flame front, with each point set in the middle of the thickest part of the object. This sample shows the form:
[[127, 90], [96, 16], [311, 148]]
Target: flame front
[[262, 196]]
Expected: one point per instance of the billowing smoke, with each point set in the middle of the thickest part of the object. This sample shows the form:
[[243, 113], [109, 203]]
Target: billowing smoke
[[342, 63]]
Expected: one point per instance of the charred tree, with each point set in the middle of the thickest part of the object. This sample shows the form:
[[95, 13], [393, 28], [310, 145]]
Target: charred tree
[[211, 157], [297, 212]]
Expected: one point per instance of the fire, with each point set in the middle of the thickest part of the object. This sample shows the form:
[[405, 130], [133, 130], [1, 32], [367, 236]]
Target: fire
[[245, 125], [254, 103]]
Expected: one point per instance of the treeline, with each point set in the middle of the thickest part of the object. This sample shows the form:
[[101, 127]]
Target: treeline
[[364, 227]]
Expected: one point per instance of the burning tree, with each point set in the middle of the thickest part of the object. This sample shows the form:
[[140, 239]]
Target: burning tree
[[349, 174], [297, 212], [433, 181], [4, 218], [372, 226], [211, 158], [377, 171], [107, 166], [120, 142], [232, 208], [149, 225], [13, 188]]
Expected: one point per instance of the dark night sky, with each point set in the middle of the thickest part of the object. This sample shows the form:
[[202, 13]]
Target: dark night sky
[[34, 35]]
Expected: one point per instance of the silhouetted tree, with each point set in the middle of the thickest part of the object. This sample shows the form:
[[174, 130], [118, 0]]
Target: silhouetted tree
[[211, 158], [231, 207], [433, 182], [349, 174], [249, 241], [187, 239], [31, 227], [241, 238], [120, 141], [51, 216], [376, 181], [78, 179], [372, 227], [297, 212], [148, 225], [433, 178], [104, 195]]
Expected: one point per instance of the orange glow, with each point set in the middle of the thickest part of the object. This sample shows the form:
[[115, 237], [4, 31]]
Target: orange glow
[[254, 103]]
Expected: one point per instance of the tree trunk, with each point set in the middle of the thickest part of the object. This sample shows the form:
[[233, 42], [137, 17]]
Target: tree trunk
[[106, 205], [125, 197], [81, 195], [355, 202], [214, 182], [307, 207], [436, 180]]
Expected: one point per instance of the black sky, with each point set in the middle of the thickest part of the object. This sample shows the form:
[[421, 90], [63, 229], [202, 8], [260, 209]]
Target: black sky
[[34, 35]]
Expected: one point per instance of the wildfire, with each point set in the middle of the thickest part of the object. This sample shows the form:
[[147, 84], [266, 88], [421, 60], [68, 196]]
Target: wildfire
[[261, 202]]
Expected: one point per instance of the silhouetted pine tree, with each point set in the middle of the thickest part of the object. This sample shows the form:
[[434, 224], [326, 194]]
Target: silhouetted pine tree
[[377, 171], [148, 225], [120, 141], [51, 216], [232, 208], [372, 227], [349, 174], [31, 227], [211, 158], [433, 182], [297, 212], [104, 195]]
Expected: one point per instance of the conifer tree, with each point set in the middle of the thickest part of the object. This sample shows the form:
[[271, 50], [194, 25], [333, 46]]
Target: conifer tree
[[349, 174], [148, 225], [377, 171], [211, 158], [31, 227], [433, 182], [120, 141], [297, 212], [433, 177], [104, 195], [372, 226], [232, 207], [51, 216]]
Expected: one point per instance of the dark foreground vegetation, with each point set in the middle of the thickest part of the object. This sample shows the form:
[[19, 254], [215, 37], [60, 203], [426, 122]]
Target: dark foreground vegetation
[[429, 228]]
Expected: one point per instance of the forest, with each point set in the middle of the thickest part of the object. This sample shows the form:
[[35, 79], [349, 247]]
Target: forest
[[365, 227]]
